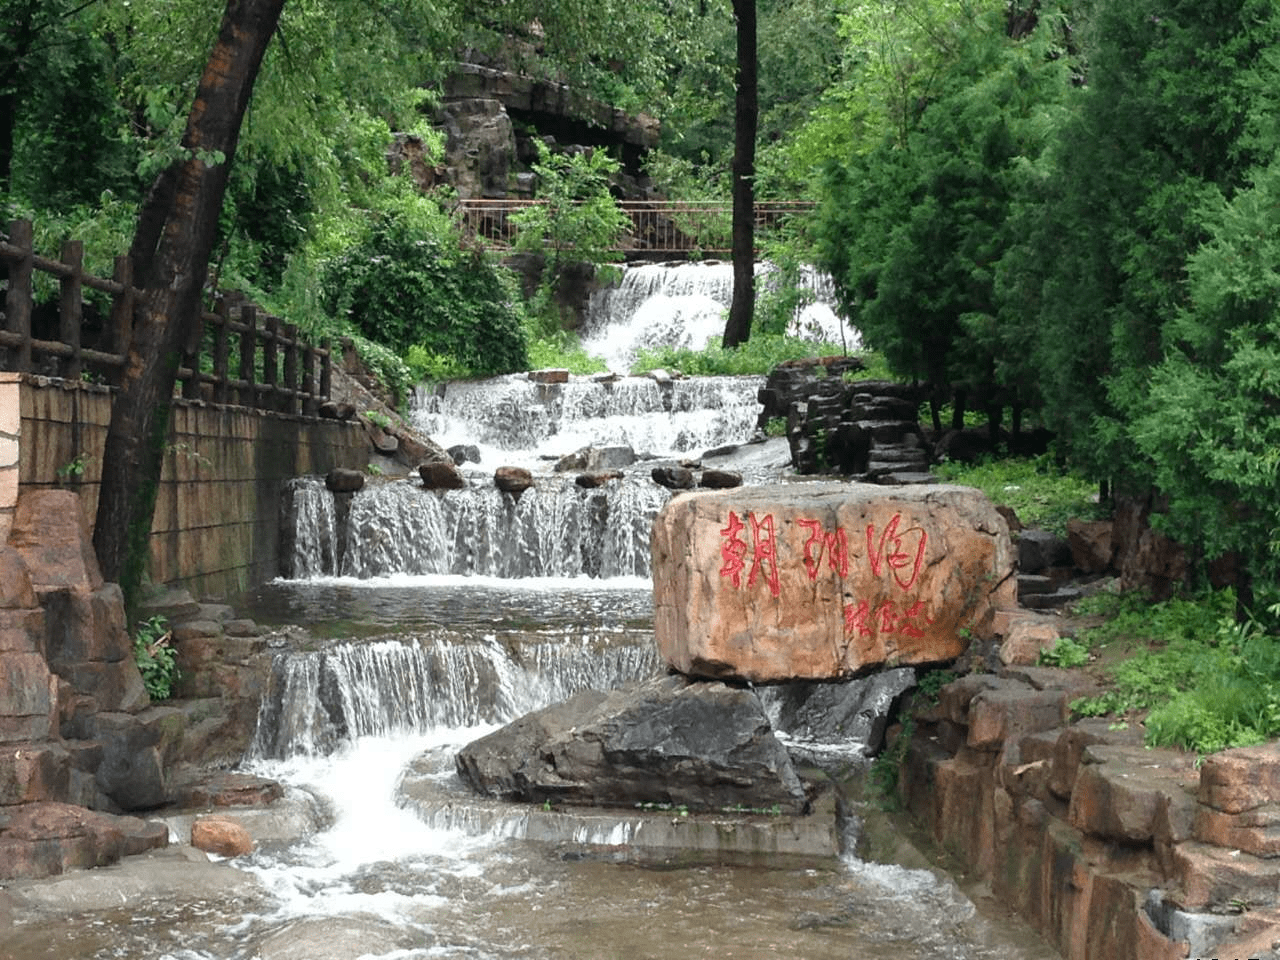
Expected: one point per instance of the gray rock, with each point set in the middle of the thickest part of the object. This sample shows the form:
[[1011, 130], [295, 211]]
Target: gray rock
[[853, 712], [464, 453], [702, 745], [344, 480], [673, 478]]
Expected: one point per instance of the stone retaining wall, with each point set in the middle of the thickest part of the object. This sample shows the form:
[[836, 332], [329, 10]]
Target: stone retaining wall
[[216, 527], [1113, 851]]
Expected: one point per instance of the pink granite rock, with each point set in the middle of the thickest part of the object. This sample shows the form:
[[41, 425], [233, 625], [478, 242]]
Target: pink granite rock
[[825, 580]]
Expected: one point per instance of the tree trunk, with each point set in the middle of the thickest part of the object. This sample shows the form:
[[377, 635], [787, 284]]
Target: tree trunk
[[171, 251], [742, 309]]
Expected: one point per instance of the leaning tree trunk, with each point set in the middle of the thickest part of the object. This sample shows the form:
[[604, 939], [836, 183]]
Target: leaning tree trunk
[[742, 308], [171, 249]]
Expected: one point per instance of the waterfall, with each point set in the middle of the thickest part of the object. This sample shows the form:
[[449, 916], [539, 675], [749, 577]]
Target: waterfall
[[684, 304], [514, 413], [554, 529], [396, 687]]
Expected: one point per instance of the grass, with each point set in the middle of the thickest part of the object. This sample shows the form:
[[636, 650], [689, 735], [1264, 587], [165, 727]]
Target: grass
[[1193, 676], [1038, 492], [760, 354]]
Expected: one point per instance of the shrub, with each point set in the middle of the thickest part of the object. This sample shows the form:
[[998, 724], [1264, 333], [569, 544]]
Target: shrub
[[155, 657], [410, 283], [760, 354]]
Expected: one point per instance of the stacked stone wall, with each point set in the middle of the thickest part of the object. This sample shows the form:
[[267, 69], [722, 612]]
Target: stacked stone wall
[[1112, 850], [216, 525]]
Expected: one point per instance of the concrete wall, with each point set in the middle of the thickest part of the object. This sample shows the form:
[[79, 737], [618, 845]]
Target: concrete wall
[[217, 522]]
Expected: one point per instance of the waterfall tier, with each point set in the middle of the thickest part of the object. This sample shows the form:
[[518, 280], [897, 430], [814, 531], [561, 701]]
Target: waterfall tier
[[410, 685], [683, 305], [553, 529], [514, 413]]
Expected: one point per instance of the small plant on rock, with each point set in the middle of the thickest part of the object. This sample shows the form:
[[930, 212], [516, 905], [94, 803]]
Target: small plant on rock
[[157, 661]]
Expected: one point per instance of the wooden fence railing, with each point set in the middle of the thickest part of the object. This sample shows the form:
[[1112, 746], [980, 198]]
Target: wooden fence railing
[[274, 368]]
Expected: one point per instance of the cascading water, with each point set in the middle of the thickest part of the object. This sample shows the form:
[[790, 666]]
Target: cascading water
[[513, 419], [554, 529], [484, 607], [684, 305]]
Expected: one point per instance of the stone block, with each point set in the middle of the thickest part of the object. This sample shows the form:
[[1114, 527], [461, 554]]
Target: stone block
[[1120, 791], [33, 772], [1025, 637], [22, 631], [27, 688], [1071, 747], [1011, 711], [1255, 831], [1241, 779], [15, 581], [86, 627], [954, 699], [825, 580], [115, 686], [51, 532], [1210, 877]]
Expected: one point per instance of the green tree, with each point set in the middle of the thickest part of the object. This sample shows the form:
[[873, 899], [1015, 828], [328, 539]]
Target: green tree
[[913, 230], [413, 282], [1157, 135], [575, 221]]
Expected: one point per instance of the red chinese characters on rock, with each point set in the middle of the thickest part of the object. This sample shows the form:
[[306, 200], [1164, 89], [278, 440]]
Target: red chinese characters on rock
[[764, 560], [897, 552]]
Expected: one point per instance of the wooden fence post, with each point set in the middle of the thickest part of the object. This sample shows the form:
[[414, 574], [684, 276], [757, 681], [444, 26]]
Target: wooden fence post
[[17, 302], [248, 350], [310, 407], [290, 398], [70, 307], [271, 363], [121, 323], [191, 358], [326, 369], [221, 350]]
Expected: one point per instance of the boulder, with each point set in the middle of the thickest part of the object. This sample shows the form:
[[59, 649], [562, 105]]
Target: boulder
[[826, 581], [344, 480], [514, 480], [720, 479], [464, 453], [1040, 550], [589, 481], [667, 740], [1091, 544], [221, 836], [437, 475], [850, 712], [673, 478], [51, 532], [46, 839]]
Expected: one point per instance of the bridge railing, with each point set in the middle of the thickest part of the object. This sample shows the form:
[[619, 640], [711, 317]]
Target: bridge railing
[[657, 226]]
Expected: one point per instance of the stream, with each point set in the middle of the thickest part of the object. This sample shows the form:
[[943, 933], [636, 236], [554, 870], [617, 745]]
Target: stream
[[447, 617]]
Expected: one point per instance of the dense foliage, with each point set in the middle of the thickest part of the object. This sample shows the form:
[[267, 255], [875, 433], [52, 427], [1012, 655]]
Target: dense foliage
[[411, 283]]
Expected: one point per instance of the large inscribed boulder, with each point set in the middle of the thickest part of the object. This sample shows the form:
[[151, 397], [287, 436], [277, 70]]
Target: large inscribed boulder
[[818, 581]]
